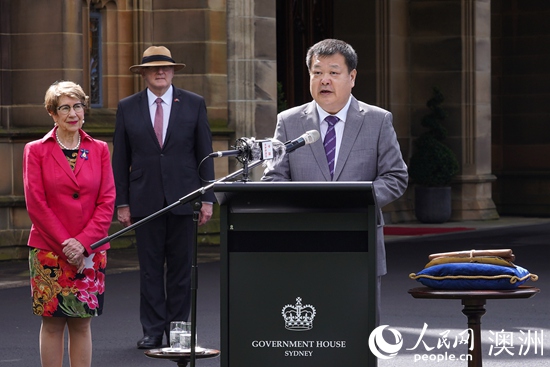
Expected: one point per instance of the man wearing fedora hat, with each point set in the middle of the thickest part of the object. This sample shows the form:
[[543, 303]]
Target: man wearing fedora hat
[[161, 135]]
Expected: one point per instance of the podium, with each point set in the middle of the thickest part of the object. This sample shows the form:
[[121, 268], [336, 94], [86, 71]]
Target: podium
[[298, 273]]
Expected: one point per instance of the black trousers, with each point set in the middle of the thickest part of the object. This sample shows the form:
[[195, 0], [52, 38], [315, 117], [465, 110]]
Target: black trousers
[[164, 246]]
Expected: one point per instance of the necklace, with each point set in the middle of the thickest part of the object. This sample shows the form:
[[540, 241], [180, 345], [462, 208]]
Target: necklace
[[63, 146]]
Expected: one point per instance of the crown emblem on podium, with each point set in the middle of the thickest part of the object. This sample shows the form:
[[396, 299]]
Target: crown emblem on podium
[[298, 317]]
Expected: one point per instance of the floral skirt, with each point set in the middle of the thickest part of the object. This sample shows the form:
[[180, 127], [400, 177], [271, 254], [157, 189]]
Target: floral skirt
[[59, 291]]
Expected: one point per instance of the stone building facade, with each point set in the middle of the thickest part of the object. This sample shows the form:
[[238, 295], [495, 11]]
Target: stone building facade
[[484, 55]]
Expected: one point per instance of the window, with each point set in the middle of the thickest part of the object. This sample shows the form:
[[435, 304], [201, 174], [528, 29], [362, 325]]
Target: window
[[95, 59]]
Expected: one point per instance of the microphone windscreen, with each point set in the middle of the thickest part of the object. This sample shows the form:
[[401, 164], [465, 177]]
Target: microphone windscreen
[[255, 149], [279, 150], [312, 136]]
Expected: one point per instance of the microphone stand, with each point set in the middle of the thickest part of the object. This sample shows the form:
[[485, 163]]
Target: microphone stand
[[196, 210], [194, 281], [183, 200]]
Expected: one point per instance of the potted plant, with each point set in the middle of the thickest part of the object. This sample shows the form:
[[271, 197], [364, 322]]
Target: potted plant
[[432, 166]]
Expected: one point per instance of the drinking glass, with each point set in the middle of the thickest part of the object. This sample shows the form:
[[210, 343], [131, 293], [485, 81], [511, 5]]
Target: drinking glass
[[180, 335]]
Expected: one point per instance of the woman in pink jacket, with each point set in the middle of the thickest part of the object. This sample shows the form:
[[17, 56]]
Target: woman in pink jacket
[[70, 194]]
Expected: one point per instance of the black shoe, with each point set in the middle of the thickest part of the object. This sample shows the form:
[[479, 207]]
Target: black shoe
[[149, 342]]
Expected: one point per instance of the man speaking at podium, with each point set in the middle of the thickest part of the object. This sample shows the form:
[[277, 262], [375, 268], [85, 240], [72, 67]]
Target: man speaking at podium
[[358, 141]]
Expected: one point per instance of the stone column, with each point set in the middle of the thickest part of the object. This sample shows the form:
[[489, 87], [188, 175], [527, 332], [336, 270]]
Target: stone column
[[472, 190], [251, 69], [392, 80]]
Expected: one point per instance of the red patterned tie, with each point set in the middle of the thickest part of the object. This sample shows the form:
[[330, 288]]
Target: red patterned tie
[[158, 120], [330, 142]]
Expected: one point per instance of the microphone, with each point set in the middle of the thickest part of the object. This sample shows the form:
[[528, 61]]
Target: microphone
[[281, 149], [308, 137], [225, 153], [250, 149]]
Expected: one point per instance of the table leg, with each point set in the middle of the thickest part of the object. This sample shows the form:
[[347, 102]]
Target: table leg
[[181, 361], [474, 309]]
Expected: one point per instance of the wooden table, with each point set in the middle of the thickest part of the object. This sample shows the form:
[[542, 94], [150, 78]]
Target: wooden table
[[474, 302], [182, 359]]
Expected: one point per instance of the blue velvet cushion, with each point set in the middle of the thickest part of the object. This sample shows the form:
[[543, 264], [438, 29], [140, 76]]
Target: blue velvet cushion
[[471, 275]]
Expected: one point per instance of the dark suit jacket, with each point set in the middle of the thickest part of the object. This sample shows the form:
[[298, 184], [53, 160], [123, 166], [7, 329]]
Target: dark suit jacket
[[148, 176], [369, 151]]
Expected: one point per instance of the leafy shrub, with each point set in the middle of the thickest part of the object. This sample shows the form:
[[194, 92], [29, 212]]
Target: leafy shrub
[[433, 163]]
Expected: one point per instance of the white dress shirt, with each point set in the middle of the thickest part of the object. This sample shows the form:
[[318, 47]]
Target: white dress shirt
[[166, 106], [338, 128]]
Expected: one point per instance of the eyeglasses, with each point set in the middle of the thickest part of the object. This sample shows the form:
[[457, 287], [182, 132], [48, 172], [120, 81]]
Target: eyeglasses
[[65, 109]]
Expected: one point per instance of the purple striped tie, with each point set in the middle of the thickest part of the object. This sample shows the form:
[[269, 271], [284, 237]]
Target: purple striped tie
[[330, 142]]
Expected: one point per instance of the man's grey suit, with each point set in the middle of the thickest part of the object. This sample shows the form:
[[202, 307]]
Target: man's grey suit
[[369, 151]]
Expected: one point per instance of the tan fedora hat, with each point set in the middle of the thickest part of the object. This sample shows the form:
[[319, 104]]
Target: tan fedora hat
[[156, 56]]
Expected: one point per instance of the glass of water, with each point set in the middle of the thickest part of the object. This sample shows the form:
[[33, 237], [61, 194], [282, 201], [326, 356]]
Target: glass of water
[[180, 335]]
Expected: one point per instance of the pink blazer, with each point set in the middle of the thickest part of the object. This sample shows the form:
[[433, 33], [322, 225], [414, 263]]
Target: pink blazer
[[63, 203]]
